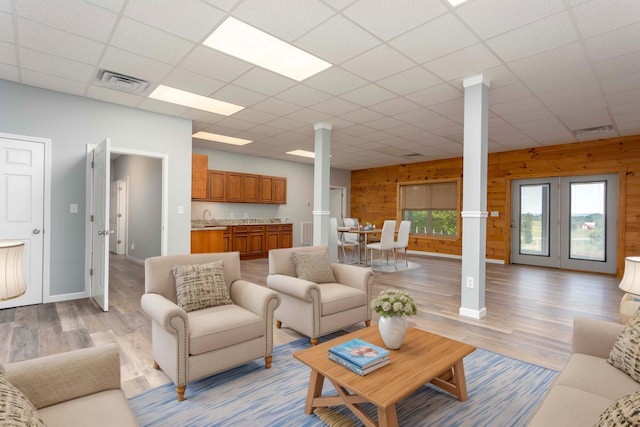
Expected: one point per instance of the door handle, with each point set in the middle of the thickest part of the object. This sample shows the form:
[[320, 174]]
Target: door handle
[[104, 232], [36, 231]]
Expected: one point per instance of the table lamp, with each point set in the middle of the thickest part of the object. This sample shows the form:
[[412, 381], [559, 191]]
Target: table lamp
[[631, 285], [12, 284]]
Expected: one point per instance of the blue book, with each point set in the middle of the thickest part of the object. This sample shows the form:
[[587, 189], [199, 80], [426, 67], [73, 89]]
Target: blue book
[[360, 353], [356, 369]]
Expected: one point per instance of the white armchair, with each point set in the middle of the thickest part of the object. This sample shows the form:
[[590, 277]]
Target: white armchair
[[195, 344], [316, 309]]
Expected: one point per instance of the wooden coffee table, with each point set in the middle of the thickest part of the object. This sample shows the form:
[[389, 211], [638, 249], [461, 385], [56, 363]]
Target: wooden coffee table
[[423, 358]]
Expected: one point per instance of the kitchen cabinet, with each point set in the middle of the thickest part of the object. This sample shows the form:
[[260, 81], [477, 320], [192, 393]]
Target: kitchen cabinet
[[226, 240], [255, 241], [199, 176], [216, 189], [205, 241], [285, 236], [273, 189]]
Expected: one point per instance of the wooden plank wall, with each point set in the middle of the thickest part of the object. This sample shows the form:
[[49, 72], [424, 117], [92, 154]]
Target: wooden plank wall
[[374, 191]]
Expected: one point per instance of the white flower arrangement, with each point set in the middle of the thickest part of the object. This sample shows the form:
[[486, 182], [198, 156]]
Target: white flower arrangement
[[392, 302]]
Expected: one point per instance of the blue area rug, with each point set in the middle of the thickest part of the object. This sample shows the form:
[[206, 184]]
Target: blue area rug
[[502, 392]]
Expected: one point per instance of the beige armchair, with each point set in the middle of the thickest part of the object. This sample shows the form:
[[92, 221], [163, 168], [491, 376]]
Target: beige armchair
[[316, 309], [191, 345], [76, 388]]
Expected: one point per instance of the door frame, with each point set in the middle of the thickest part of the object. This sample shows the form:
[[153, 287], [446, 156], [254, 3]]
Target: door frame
[[622, 208], [46, 242], [164, 214]]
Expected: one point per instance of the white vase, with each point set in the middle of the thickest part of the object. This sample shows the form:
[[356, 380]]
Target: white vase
[[392, 330]]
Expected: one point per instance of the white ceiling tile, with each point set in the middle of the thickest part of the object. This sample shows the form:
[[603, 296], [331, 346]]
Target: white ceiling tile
[[425, 119], [212, 63], [633, 107], [621, 83], [55, 42], [551, 61], [573, 93], [113, 5], [362, 115], [447, 131], [384, 123], [203, 116], [618, 66], [285, 123], [113, 96], [387, 19], [545, 34], [463, 63], [303, 95], [437, 38], [578, 106], [58, 84], [541, 125], [394, 106], [162, 107], [192, 82], [335, 81], [628, 121], [234, 123], [276, 106], [597, 17], [239, 96], [254, 116], [561, 80], [368, 95], [133, 65], [489, 18], [626, 97], [522, 104], [357, 130], [452, 109], [335, 106], [327, 41], [309, 116], [147, 41], [196, 19], [587, 119], [8, 53], [56, 66], [5, 5], [263, 81], [614, 43], [435, 95], [9, 72], [284, 19], [409, 81], [498, 77], [378, 63], [226, 5], [77, 17], [6, 28], [507, 93]]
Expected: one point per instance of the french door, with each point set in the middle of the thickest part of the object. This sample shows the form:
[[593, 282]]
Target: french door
[[565, 222]]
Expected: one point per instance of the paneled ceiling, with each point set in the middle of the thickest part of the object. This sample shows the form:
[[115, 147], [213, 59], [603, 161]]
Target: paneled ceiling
[[394, 93]]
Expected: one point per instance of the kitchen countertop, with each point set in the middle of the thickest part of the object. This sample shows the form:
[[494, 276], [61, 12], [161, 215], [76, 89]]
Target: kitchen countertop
[[216, 227]]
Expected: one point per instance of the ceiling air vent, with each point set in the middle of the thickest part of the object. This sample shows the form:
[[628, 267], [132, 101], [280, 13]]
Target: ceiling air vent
[[593, 131], [121, 82]]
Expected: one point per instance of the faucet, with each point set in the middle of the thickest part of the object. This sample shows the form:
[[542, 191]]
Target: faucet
[[204, 215]]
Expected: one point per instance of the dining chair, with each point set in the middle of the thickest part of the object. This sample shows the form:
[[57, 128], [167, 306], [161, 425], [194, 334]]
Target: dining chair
[[342, 243], [386, 242], [402, 241]]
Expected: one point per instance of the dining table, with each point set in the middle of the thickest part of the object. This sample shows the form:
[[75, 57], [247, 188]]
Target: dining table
[[363, 238]]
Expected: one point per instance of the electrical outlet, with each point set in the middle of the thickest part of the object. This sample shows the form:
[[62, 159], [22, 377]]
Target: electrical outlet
[[470, 283]]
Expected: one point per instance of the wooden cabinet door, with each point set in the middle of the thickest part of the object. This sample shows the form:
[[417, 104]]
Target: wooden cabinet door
[[250, 188], [226, 241], [266, 189], [285, 236], [217, 190], [234, 187], [199, 172], [256, 241], [280, 190], [272, 237], [206, 241], [240, 240]]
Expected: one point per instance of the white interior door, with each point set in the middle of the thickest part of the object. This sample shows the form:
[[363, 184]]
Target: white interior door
[[100, 193], [22, 214]]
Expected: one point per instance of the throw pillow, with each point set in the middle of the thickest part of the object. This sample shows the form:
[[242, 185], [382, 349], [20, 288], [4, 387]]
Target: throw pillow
[[625, 354], [313, 266], [200, 286], [15, 408], [623, 412]]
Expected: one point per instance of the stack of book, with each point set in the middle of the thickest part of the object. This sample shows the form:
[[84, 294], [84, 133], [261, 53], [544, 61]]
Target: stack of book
[[359, 356]]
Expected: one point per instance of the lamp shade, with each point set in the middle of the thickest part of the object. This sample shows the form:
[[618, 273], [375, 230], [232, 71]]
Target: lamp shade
[[12, 283], [631, 279]]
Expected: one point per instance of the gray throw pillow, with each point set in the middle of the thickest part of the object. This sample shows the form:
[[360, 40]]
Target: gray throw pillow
[[623, 412], [15, 408], [313, 266], [201, 286], [625, 354]]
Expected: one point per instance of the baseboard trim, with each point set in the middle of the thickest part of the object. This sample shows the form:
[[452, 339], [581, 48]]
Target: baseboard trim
[[439, 255], [475, 314]]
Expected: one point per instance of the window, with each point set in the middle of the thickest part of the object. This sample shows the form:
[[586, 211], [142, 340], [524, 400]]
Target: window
[[432, 207]]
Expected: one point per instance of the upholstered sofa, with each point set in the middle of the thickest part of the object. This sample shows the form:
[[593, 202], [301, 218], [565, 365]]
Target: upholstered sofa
[[76, 388], [588, 385], [317, 307]]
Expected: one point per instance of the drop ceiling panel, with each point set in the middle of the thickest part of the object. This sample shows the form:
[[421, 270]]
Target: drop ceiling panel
[[335, 106], [368, 95], [6, 28], [585, 119], [56, 66], [435, 95], [134, 65], [239, 96], [212, 63], [192, 82], [263, 81], [411, 80], [551, 61], [114, 96], [561, 80], [463, 63], [276, 106], [597, 17], [378, 63], [303, 95], [614, 43], [335, 81], [33, 78], [8, 54]]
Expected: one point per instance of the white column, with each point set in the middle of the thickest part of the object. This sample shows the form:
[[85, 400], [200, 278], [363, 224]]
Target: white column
[[474, 196], [321, 179]]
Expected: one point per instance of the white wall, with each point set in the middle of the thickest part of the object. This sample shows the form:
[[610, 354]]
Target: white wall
[[299, 188], [72, 122]]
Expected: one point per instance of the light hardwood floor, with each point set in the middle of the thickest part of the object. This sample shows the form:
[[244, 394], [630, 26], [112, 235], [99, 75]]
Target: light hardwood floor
[[530, 311]]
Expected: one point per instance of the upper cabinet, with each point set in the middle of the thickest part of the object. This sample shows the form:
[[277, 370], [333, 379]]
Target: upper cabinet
[[199, 176], [238, 187]]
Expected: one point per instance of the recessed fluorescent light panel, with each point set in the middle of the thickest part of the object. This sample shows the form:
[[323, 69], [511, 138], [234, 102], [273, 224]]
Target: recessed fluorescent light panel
[[454, 3], [192, 100], [302, 153], [252, 45], [221, 138]]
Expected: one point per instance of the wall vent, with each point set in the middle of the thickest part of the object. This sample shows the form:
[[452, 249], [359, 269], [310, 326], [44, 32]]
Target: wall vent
[[593, 131], [121, 82]]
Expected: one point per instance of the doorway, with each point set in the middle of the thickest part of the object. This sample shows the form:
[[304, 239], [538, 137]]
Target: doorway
[[336, 203], [118, 216], [565, 222]]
